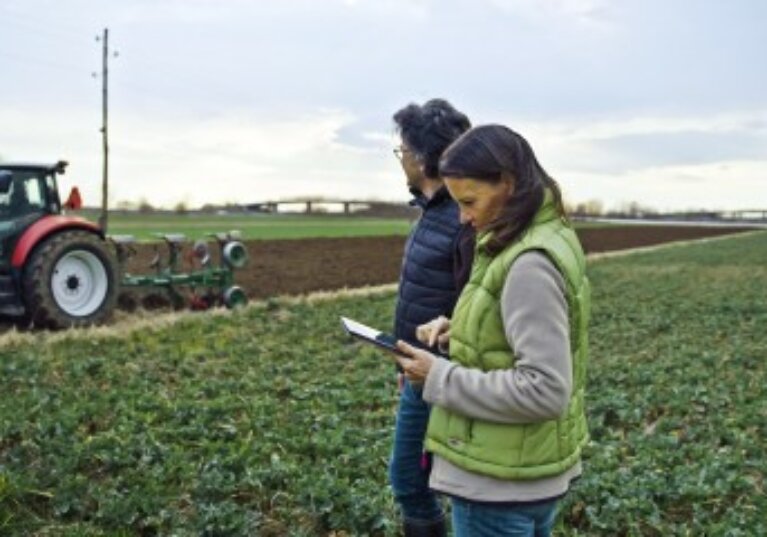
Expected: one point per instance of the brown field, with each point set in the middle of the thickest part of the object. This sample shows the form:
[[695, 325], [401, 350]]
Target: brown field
[[298, 266]]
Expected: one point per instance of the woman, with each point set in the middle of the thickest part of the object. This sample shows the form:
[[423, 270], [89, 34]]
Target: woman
[[507, 423]]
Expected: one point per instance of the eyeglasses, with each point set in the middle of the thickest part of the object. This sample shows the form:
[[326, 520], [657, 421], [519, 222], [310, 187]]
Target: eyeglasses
[[399, 152]]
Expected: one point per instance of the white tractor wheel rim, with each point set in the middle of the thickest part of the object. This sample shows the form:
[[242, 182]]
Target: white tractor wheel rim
[[79, 283]]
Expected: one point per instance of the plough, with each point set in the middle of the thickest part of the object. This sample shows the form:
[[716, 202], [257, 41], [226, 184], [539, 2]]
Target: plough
[[210, 284], [58, 270]]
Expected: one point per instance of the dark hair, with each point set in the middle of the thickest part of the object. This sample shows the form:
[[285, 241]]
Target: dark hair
[[427, 131], [490, 153]]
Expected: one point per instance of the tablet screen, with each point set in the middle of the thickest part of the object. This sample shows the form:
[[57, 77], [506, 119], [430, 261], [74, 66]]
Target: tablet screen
[[371, 335]]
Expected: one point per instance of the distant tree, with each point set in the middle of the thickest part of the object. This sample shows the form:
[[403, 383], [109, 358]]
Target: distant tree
[[595, 207], [589, 208], [635, 209], [232, 206], [126, 205], [181, 208], [144, 206]]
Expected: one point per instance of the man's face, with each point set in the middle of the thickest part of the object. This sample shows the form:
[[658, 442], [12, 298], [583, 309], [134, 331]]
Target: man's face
[[411, 166]]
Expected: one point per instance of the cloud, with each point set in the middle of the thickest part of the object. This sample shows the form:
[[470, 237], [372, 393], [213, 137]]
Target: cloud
[[234, 157], [671, 163], [617, 145], [717, 161], [589, 12], [725, 185], [596, 128], [219, 100], [637, 151]]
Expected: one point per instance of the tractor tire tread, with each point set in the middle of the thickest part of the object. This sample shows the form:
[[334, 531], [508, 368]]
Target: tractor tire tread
[[42, 310]]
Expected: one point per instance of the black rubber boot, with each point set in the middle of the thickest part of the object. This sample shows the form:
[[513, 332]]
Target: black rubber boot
[[425, 528]]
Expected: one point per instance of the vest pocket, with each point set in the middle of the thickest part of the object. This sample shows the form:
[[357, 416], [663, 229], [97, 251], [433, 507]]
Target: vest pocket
[[540, 444], [458, 430]]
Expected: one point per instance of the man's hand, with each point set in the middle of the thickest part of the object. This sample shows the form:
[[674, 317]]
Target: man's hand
[[415, 368], [435, 332]]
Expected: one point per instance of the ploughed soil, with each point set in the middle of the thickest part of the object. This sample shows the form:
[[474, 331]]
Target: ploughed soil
[[296, 266]]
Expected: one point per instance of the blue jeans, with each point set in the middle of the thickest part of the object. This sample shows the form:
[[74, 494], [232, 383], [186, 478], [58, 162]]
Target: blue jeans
[[473, 519], [408, 473]]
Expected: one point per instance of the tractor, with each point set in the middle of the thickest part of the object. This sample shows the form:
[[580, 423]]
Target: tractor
[[59, 270]]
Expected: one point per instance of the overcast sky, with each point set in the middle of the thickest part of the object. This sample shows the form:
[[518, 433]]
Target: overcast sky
[[663, 102]]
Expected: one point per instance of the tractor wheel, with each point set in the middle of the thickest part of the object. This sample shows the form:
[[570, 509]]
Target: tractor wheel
[[70, 280]]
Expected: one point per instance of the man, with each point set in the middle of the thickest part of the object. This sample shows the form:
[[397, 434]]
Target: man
[[436, 265]]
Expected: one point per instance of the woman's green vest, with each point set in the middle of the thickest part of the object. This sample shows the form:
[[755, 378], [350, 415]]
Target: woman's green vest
[[478, 340]]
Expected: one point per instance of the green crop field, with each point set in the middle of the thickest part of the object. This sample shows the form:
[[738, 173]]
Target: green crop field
[[269, 421], [257, 226]]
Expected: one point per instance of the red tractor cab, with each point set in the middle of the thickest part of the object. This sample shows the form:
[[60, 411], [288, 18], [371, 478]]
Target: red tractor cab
[[56, 270]]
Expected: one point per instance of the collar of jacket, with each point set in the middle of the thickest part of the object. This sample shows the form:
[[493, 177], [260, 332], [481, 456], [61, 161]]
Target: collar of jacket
[[423, 202]]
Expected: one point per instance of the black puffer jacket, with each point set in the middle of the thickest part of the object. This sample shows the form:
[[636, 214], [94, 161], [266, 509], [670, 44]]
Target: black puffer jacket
[[427, 286]]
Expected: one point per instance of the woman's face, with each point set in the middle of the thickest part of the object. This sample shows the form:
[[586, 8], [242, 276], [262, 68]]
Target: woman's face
[[480, 202]]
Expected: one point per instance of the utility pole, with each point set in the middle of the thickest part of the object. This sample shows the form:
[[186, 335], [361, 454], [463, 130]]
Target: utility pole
[[104, 129]]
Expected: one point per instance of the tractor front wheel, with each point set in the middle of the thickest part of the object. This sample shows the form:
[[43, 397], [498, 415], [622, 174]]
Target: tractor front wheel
[[70, 280]]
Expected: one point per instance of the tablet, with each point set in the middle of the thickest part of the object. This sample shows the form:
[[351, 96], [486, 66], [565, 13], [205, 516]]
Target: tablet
[[371, 335], [380, 339]]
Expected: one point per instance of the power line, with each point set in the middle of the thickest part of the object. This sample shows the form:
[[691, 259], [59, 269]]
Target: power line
[[164, 74], [36, 30], [179, 81], [24, 58], [34, 21]]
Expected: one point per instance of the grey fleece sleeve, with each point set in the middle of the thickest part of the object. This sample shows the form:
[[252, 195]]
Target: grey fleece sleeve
[[538, 388]]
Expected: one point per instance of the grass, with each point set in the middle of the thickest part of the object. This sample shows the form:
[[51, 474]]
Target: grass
[[261, 226], [253, 227], [270, 421], [677, 393]]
